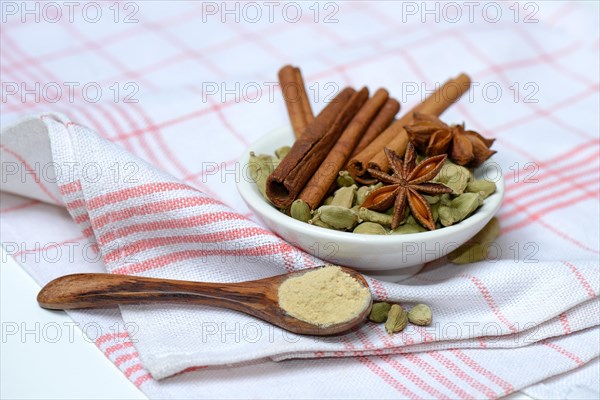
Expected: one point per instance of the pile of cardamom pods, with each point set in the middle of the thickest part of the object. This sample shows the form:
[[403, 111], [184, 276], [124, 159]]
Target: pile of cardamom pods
[[396, 318], [342, 210]]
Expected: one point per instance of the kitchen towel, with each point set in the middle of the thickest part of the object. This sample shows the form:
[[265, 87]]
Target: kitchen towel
[[154, 225], [141, 220]]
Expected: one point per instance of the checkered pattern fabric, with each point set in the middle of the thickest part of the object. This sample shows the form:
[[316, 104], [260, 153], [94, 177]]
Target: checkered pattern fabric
[[154, 114]]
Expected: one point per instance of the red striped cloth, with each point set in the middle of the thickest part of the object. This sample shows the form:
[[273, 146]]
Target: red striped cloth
[[179, 215]]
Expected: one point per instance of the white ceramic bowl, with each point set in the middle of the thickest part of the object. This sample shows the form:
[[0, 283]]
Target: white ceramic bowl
[[393, 255]]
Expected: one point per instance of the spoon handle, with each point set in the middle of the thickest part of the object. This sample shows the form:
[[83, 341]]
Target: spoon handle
[[104, 290]]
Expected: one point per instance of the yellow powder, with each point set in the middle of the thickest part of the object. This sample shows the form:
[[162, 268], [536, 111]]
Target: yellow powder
[[324, 296]]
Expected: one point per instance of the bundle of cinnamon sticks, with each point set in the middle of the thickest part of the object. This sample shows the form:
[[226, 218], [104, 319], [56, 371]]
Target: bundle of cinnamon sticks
[[350, 133]]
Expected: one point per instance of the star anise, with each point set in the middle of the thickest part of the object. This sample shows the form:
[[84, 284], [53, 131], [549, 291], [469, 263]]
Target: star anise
[[405, 186], [432, 137]]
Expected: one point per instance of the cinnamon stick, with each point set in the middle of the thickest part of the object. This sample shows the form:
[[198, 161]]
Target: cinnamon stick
[[309, 151], [383, 119], [296, 98], [318, 186], [396, 138]]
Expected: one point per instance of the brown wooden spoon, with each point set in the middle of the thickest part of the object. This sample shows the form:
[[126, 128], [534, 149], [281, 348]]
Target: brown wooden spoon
[[257, 298]]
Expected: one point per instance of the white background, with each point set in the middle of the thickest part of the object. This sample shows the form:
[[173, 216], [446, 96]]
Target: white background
[[44, 370]]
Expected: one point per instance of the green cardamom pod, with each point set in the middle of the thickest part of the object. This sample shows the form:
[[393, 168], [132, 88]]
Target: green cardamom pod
[[435, 211], [432, 199], [257, 163], [300, 210], [445, 199], [282, 152], [411, 220], [481, 186], [316, 221], [344, 196], [370, 228], [379, 312], [337, 216], [345, 179], [420, 315], [476, 249], [373, 216], [459, 208], [411, 226], [488, 233], [446, 215], [275, 162], [454, 176], [361, 195], [467, 254], [259, 168], [364, 191], [328, 201], [396, 320]]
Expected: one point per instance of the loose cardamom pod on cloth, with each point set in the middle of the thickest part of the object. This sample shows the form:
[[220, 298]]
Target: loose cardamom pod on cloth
[[379, 312], [476, 249], [420, 315], [467, 254], [396, 320]]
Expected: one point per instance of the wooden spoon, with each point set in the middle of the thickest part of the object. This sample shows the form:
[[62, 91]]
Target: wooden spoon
[[257, 298]]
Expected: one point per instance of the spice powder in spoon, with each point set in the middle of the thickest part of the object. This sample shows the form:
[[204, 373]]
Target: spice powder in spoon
[[324, 296]]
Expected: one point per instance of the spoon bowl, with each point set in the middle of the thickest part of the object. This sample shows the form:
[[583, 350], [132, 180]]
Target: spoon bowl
[[258, 298]]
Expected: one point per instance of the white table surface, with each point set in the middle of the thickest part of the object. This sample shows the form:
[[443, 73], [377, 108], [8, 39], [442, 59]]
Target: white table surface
[[66, 369]]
